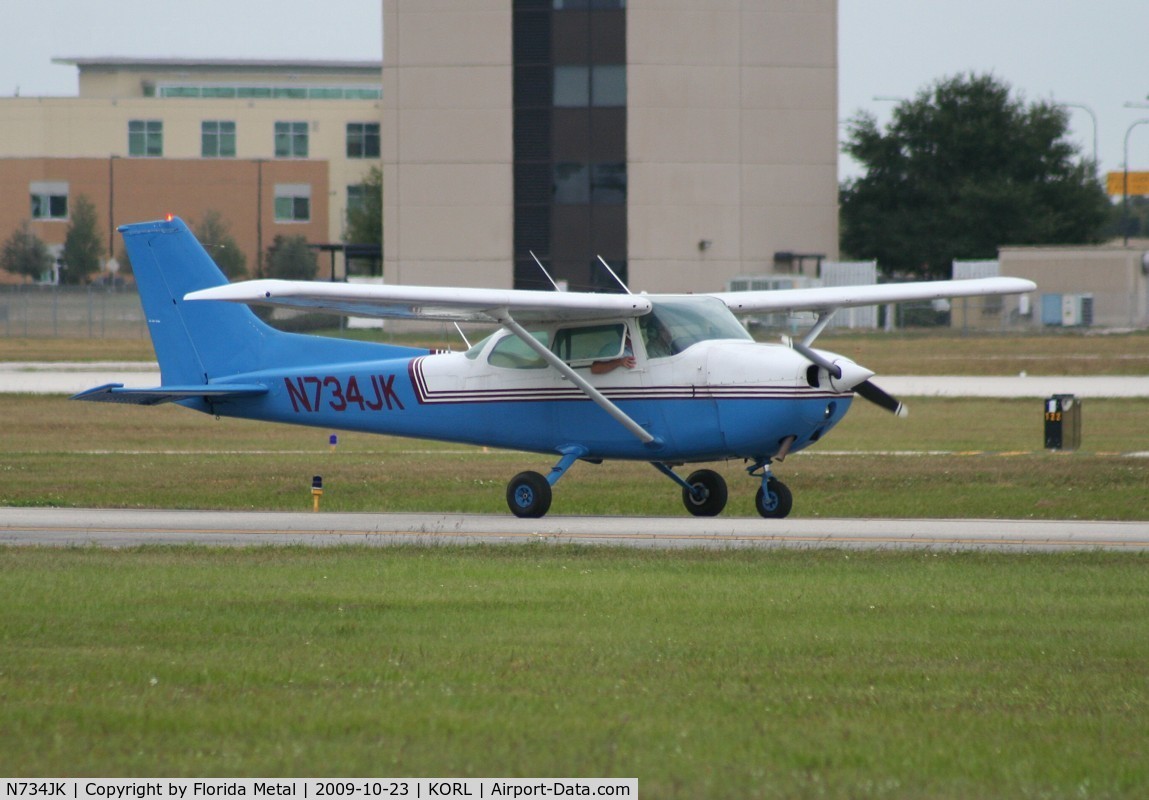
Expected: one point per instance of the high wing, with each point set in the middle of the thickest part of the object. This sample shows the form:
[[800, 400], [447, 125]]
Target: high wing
[[493, 305], [830, 297], [430, 302]]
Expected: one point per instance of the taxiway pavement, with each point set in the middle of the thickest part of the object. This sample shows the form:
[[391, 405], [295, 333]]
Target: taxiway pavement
[[69, 378], [127, 528]]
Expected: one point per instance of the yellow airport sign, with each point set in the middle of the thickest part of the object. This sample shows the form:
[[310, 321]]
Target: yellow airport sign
[[1138, 183]]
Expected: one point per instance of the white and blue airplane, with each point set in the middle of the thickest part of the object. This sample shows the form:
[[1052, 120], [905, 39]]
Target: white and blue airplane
[[667, 379]]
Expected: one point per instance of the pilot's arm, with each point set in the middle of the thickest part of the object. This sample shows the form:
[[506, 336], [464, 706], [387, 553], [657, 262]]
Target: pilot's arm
[[610, 364]]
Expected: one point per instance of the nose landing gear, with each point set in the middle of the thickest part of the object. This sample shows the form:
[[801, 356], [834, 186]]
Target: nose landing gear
[[774, 499]]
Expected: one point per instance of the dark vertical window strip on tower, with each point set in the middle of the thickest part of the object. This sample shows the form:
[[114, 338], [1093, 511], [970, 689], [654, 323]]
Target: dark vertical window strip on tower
[[569, 140], [533, 93]]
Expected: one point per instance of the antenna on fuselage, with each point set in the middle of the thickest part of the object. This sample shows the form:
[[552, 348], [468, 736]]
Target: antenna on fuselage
[[617, 279], [544, 269], [465, 339]]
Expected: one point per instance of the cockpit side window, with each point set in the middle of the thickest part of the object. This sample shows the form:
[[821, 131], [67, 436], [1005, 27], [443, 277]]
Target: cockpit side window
[[511, 352], [589, 343]]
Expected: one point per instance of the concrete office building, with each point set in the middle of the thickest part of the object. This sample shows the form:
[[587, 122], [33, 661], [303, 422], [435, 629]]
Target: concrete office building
[[277, 147], [687, 143]]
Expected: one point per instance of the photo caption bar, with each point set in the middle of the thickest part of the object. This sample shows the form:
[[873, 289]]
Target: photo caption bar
[[316, 788]]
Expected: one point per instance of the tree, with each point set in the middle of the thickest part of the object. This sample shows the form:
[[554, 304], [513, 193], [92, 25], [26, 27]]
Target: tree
[[1132, 221], [25, 253], [962, 169], [365, 219], [290, 258], [215, 235], [83, 247]]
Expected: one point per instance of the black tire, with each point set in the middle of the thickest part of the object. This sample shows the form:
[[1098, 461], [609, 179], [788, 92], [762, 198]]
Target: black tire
[[714, 494], [529, 495], [774, 500]]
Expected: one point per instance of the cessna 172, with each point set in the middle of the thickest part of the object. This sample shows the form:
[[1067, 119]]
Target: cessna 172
[[668, 379]]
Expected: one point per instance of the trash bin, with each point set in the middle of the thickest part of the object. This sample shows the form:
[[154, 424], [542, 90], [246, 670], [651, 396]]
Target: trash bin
[[1062, 422]]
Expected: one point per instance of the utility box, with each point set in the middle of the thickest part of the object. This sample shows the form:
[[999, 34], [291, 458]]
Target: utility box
[[1062, 422]]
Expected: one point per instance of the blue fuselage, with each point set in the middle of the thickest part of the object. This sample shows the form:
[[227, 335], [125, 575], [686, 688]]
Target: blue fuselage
[[724, 412]]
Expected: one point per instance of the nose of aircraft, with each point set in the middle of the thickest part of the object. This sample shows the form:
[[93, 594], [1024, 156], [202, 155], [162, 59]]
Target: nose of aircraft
[[852, 375]]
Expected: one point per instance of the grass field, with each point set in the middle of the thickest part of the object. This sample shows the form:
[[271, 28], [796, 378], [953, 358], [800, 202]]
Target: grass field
[[703, 674], [905, 353], [738, 674], [951, 458]]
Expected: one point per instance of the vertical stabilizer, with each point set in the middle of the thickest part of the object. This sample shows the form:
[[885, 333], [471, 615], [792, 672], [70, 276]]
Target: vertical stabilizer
[[194, 342]]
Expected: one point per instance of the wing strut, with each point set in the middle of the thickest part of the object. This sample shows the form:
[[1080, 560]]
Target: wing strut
[[810, 353], [564, 369]]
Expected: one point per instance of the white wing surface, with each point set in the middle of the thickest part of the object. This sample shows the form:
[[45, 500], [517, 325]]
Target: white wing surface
[[430, 302], [831, 297], [492, 305]]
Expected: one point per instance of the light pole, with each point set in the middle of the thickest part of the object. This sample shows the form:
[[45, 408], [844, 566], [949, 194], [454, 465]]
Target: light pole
[[1093, 117], [1125, 185]]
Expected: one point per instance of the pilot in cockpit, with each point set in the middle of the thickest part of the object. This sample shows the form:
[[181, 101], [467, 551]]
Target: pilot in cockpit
[[610, 364]]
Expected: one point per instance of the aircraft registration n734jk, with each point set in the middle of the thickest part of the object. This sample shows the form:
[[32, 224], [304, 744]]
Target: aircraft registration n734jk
[[668, 379]]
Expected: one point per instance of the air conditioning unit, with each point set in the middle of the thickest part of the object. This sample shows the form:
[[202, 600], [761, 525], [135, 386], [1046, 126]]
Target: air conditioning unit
[[1077, 310]]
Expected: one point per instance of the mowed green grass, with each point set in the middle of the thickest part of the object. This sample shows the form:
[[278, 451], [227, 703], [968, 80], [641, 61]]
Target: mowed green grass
[[950, 458], [703, 674], [920, 352]]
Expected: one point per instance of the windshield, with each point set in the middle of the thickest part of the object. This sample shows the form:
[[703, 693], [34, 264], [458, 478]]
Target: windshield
[[674, 325]]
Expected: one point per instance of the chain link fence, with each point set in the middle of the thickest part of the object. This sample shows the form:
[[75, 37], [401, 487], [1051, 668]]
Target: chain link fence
[[72, 312]]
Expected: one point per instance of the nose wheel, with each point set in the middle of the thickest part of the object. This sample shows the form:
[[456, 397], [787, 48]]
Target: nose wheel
[[773, 499]]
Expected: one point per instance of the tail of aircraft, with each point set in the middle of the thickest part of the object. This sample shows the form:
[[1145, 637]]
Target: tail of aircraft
[[200, 342], [194, 342]]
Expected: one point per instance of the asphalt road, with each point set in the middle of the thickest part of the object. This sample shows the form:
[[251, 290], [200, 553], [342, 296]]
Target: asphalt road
[[128, 528]]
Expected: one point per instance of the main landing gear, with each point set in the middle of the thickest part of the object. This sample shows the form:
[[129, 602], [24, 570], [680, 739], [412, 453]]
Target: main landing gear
[[704, 492]]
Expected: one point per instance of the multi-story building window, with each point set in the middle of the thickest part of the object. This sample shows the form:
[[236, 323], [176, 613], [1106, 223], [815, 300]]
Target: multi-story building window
[[598, 85], [49, 199], [601, 184], [356, 197], [146, 138], [217, 139], [363, 140], [262, 91], [572, 183], [292, 202], [291, 139], [608, 184]]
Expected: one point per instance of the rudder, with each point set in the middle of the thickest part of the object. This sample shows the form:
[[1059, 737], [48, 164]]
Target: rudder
[[194, 342]]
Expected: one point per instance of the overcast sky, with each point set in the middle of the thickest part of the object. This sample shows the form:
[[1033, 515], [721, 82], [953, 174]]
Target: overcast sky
[[1088, 52]]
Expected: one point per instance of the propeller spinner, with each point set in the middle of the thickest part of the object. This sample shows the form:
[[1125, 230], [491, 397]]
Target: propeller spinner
[[844, 375]]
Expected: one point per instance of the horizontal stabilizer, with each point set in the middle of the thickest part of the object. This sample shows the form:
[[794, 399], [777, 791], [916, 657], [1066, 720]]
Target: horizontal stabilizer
[[116, 393]]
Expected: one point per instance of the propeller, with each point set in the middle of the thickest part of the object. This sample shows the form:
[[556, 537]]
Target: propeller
[[875, 394], [845, 376]]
